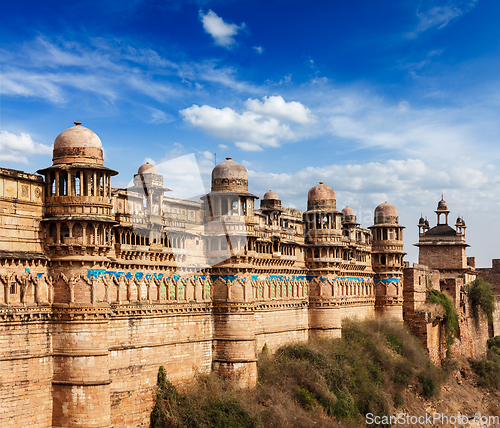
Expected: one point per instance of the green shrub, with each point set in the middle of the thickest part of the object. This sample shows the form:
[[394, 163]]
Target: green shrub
[[429, 385], [305, 398], [450, 315], [488, 369], [395, 341], [345, 407], [482, 298]]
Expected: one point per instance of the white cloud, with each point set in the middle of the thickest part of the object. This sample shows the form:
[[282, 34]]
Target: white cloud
[[158, 116], [58, 71], [207, 155], [223, 146], [222, 32], [251, 131], [277, 107], [440, 16], [259, 49], [254, 129], [248, 147], [16, 148]]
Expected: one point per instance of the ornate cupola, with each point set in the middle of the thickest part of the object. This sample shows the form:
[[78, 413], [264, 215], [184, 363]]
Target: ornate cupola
[[322, 214], [442, 208], [323, 230], [387, 260], [229, 212], [78, 218]]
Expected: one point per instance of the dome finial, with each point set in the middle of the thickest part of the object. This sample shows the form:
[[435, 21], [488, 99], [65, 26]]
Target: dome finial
[[77, 123], [229, 158]]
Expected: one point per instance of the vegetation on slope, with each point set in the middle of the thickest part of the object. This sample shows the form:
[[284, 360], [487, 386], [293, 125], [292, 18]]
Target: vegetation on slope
[[301, 385], [450, 315], [482, 298], [488, 369]]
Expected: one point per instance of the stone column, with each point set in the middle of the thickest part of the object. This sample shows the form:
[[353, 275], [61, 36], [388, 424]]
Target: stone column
[[234, 332], [81, 381]]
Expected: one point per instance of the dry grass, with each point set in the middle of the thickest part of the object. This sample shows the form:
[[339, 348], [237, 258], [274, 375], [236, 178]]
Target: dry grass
[[324, 383]]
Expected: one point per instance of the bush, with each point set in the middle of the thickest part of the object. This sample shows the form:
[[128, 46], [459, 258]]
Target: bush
[[482, 298], [450, 315], [305, 398], [488, 369], [308, 384], [428, 385]]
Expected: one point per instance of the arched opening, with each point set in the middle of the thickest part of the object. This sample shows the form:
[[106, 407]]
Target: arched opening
[[78, 183], [89, 232], [78, 233], [63, 183], [64, 232], [53, 232]]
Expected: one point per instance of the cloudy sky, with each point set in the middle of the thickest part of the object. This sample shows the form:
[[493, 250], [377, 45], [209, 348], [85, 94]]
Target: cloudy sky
[[393, 101]]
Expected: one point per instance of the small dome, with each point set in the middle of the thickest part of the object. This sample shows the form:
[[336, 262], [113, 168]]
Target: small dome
[[348, 211], [271, 195], [421, 221], [77, 144], [229, 175], [147, 168], [426, 223], [442, 205], [385, 213], [320, 192]]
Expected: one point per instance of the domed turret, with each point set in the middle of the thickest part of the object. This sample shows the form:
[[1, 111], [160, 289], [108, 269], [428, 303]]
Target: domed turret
[[229, 176], [270, 201], [147, 168], [321, 196], [385, 213], [77, 145], [347, 211], [442, 205], [442, 208], [348, 215], [270, 195]]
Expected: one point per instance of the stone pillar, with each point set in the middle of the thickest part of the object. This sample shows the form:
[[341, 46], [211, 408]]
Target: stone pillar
[[69, 186], [81, 381], [234, 332]]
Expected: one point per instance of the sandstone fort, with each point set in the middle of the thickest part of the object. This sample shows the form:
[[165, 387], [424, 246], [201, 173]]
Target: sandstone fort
[[100, 286]]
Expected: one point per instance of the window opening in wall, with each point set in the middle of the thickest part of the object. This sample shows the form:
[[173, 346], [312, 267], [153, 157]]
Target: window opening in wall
[[382, 260], [13, 288], [53, 187], [63, 185], [77, 184]]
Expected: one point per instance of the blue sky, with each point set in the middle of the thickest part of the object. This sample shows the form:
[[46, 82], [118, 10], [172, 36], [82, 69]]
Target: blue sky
[[384, 101]]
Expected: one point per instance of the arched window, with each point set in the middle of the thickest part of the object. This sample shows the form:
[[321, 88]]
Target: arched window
[[77, 184]]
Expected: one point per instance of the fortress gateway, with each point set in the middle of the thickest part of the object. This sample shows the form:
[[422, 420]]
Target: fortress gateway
[[100, 286]]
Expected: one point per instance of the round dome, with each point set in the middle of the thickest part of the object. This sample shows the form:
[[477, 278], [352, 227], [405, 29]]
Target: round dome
[[229, 176], [271, 195], [348, 211], [320, 192], [77, 144], [147, 168], [386, 213], [442, 205]]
